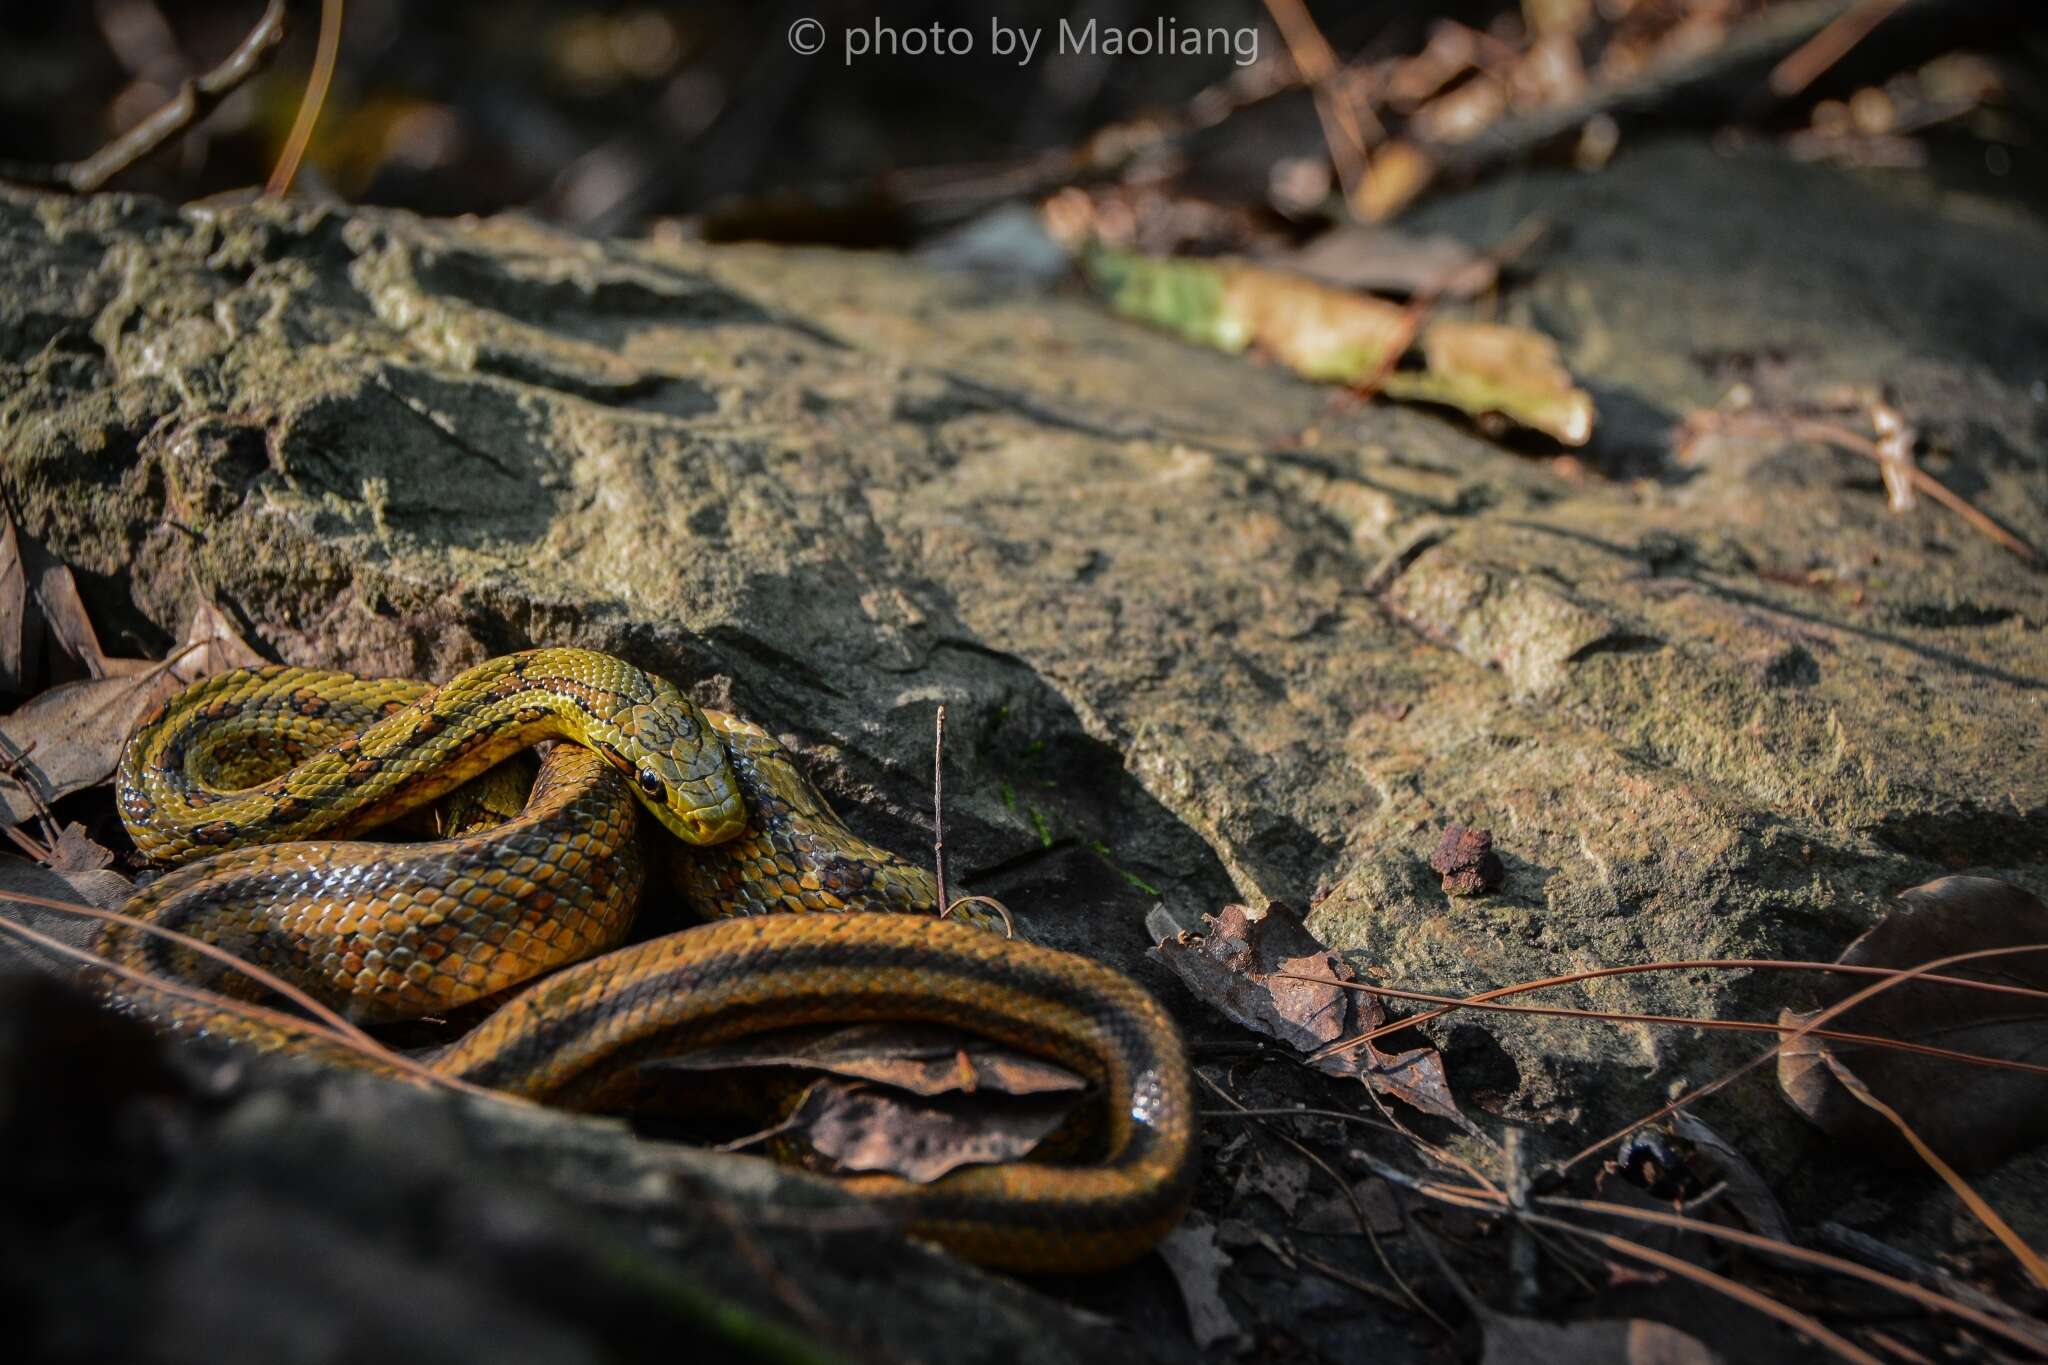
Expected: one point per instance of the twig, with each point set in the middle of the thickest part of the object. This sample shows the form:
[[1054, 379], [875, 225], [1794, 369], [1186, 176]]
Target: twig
[[194, 101], [1964, 1303], [1699, 86], [1350, 1281], [27, 843], [1934, 488], [309, 104], [11, 760], [1886, 1257], [1527, 1288]]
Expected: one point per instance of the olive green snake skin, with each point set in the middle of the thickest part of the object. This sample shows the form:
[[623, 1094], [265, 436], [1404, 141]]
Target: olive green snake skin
[[232, 780]]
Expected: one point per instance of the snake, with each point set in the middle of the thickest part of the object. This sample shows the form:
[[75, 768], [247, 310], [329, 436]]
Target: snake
[[253, 786]]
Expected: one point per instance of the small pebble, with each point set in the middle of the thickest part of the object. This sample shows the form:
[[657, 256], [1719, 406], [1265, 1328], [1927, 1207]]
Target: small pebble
[[1467, 861]]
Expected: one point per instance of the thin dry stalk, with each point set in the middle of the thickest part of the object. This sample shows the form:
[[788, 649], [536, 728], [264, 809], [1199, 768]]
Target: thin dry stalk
[[11, 761], [1974, 1202], [241, 1008], [309, 104], [26, 842], [939, 809], [1804, 1029], [1676, 1020], [1336, 1275], [2023, 1333], [1680, 965], [326, 1026], [1317, 64], [1009, 921], [1805, 65], [1802, 1323], [257, 974]]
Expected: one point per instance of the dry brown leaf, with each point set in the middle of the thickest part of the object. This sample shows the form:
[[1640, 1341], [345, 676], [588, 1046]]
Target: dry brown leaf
[[1249, 965], [918, 1058], [1979, 1207], [1973, 1116], [1593, 1341], [1480, 367], [1197, 1263], [1344, 337], [73, 734], [45, 634], [1335, 1214], [64, 616], [865, 1127], [1282, 1176], [215, 644], [18, 876], [77, 851]]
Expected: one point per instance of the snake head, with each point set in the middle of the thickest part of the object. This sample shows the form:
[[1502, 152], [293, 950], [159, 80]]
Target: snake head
[[678, 768]]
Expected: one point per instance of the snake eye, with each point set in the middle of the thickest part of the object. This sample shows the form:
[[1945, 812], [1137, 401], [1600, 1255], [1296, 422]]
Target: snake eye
[[649, 783]]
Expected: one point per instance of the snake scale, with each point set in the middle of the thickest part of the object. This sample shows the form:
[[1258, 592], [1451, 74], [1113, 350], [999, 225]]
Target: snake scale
[[246, 783]]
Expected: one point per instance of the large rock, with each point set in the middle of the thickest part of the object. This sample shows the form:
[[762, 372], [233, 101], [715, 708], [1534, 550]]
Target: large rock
[[1203, 630]]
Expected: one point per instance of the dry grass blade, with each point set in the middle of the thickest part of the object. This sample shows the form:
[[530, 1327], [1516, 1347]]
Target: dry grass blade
[[2028, 1335], [1009, 922], [1763, 1303], [327, 1026], [1677, 1020], [309, 105], [1806, 1029], [1984, 1213], [1687, 965], [207, 999], [1813, 57], [257, 974]]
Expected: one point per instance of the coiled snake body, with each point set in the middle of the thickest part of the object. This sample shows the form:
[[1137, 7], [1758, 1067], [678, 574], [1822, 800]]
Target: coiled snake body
[[230, 778]]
